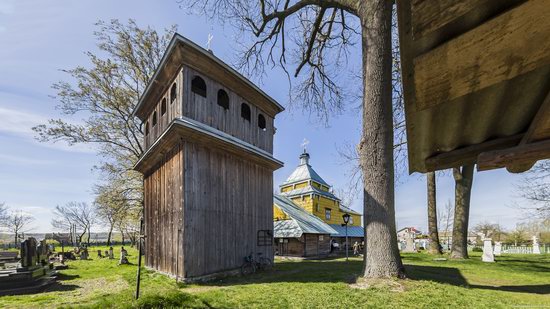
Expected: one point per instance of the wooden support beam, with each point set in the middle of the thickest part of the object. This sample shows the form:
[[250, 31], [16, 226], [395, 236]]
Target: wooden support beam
[[507, 46], [468, 155], [519, 156]]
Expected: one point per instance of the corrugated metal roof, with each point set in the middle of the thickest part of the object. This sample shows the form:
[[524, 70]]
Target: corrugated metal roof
[[304, 172], [308, 190], [353, 231], [301, 221]]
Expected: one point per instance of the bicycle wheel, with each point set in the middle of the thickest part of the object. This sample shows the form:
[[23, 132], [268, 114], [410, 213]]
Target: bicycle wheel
[[266, 263], [248, 268]]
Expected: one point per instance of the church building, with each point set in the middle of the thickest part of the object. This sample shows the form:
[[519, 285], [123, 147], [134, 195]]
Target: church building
[[208, 165], [307, 190]]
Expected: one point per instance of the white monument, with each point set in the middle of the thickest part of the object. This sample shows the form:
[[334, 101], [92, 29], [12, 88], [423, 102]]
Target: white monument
[[536, 248], [487, 251], [498, 248], [409, 244]]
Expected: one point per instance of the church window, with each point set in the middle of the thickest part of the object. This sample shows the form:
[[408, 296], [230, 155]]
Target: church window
[[261, 122], [350, 220], [327, 213], [154, 119], [163, 107], [198, 86], [223, 99], [173, 93], [245, 111], [146, 128]]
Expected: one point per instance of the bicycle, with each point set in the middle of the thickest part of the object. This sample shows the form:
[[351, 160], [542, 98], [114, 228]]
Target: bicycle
[[251, 265]]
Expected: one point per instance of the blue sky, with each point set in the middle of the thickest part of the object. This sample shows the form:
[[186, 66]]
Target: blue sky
[[38, 38]]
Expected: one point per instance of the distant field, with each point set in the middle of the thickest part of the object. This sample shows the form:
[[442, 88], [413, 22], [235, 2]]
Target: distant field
[[515, 280]]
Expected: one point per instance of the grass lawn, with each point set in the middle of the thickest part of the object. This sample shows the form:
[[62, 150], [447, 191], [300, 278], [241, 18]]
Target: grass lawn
[[515, 280]]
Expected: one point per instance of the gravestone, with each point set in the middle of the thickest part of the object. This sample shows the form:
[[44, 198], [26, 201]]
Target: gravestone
[[409, 244], [487, 251], [498, 248], [536, 247], [123, 256], [111, 253], [99, 254], [28, 253], [84, 254]]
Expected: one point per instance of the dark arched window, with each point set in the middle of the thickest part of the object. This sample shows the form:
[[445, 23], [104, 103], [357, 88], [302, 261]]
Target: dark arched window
[[261, 122], [154, 119], [245, 111], [173, 92], [146, 128], [198, 86], [163, 107], [223, 99]]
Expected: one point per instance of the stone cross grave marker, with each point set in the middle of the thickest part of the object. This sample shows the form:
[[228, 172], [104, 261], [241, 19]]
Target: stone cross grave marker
[[487, 251], [536, 247], [498, 248]]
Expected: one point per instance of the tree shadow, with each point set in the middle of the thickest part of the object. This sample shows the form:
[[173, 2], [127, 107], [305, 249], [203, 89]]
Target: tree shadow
[[453, 276], [65, 277]]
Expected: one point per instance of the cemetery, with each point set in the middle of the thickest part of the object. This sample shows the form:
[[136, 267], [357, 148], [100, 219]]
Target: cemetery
[[190, 208]]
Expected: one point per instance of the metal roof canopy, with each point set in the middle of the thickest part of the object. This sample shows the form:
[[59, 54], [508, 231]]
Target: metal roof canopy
[[476, 78]]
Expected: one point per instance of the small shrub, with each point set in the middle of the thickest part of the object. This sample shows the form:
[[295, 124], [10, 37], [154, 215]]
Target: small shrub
[[477, 249]]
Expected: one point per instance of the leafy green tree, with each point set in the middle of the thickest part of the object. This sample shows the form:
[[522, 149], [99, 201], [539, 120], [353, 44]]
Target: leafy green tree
[[105, 92]]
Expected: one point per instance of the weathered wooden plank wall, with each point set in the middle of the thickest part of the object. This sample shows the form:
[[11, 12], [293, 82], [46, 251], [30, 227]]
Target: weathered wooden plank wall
[[207, 110], [227, 200], [164, 214], [173, 110]]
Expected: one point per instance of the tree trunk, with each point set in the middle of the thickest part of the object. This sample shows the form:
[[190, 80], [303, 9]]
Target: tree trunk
[[463, 186], [89, 235], [109, 236], [435, 247], [382, 258], [16, 237]]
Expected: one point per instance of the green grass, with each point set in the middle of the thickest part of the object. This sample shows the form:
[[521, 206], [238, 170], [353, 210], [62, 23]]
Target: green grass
[[514, 280]]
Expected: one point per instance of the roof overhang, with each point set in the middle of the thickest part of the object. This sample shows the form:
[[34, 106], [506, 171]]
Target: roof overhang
[[476, 79], [185, 129], [182, 51]]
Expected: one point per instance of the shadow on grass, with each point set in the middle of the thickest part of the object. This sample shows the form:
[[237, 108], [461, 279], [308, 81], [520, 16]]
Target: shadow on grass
[[450, 275], [338, 271], [65, 277]]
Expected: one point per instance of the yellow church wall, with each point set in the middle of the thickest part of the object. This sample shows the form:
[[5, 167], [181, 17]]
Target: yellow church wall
[[301, 185], [306, 202], [317, 206]]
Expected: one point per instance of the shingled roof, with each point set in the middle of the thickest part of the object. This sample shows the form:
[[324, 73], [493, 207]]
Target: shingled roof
[[300, 222]]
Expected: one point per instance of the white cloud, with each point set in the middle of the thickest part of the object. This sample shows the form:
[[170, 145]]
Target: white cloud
[[20, 123], [24, 161]]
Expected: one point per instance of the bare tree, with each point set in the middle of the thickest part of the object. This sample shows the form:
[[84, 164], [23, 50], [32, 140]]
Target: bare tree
[[3, 214], [17, 222], [435, 247], [82, 215], [445, 218], [534, 187], [463, 186], [492, 230], [315, 36]]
